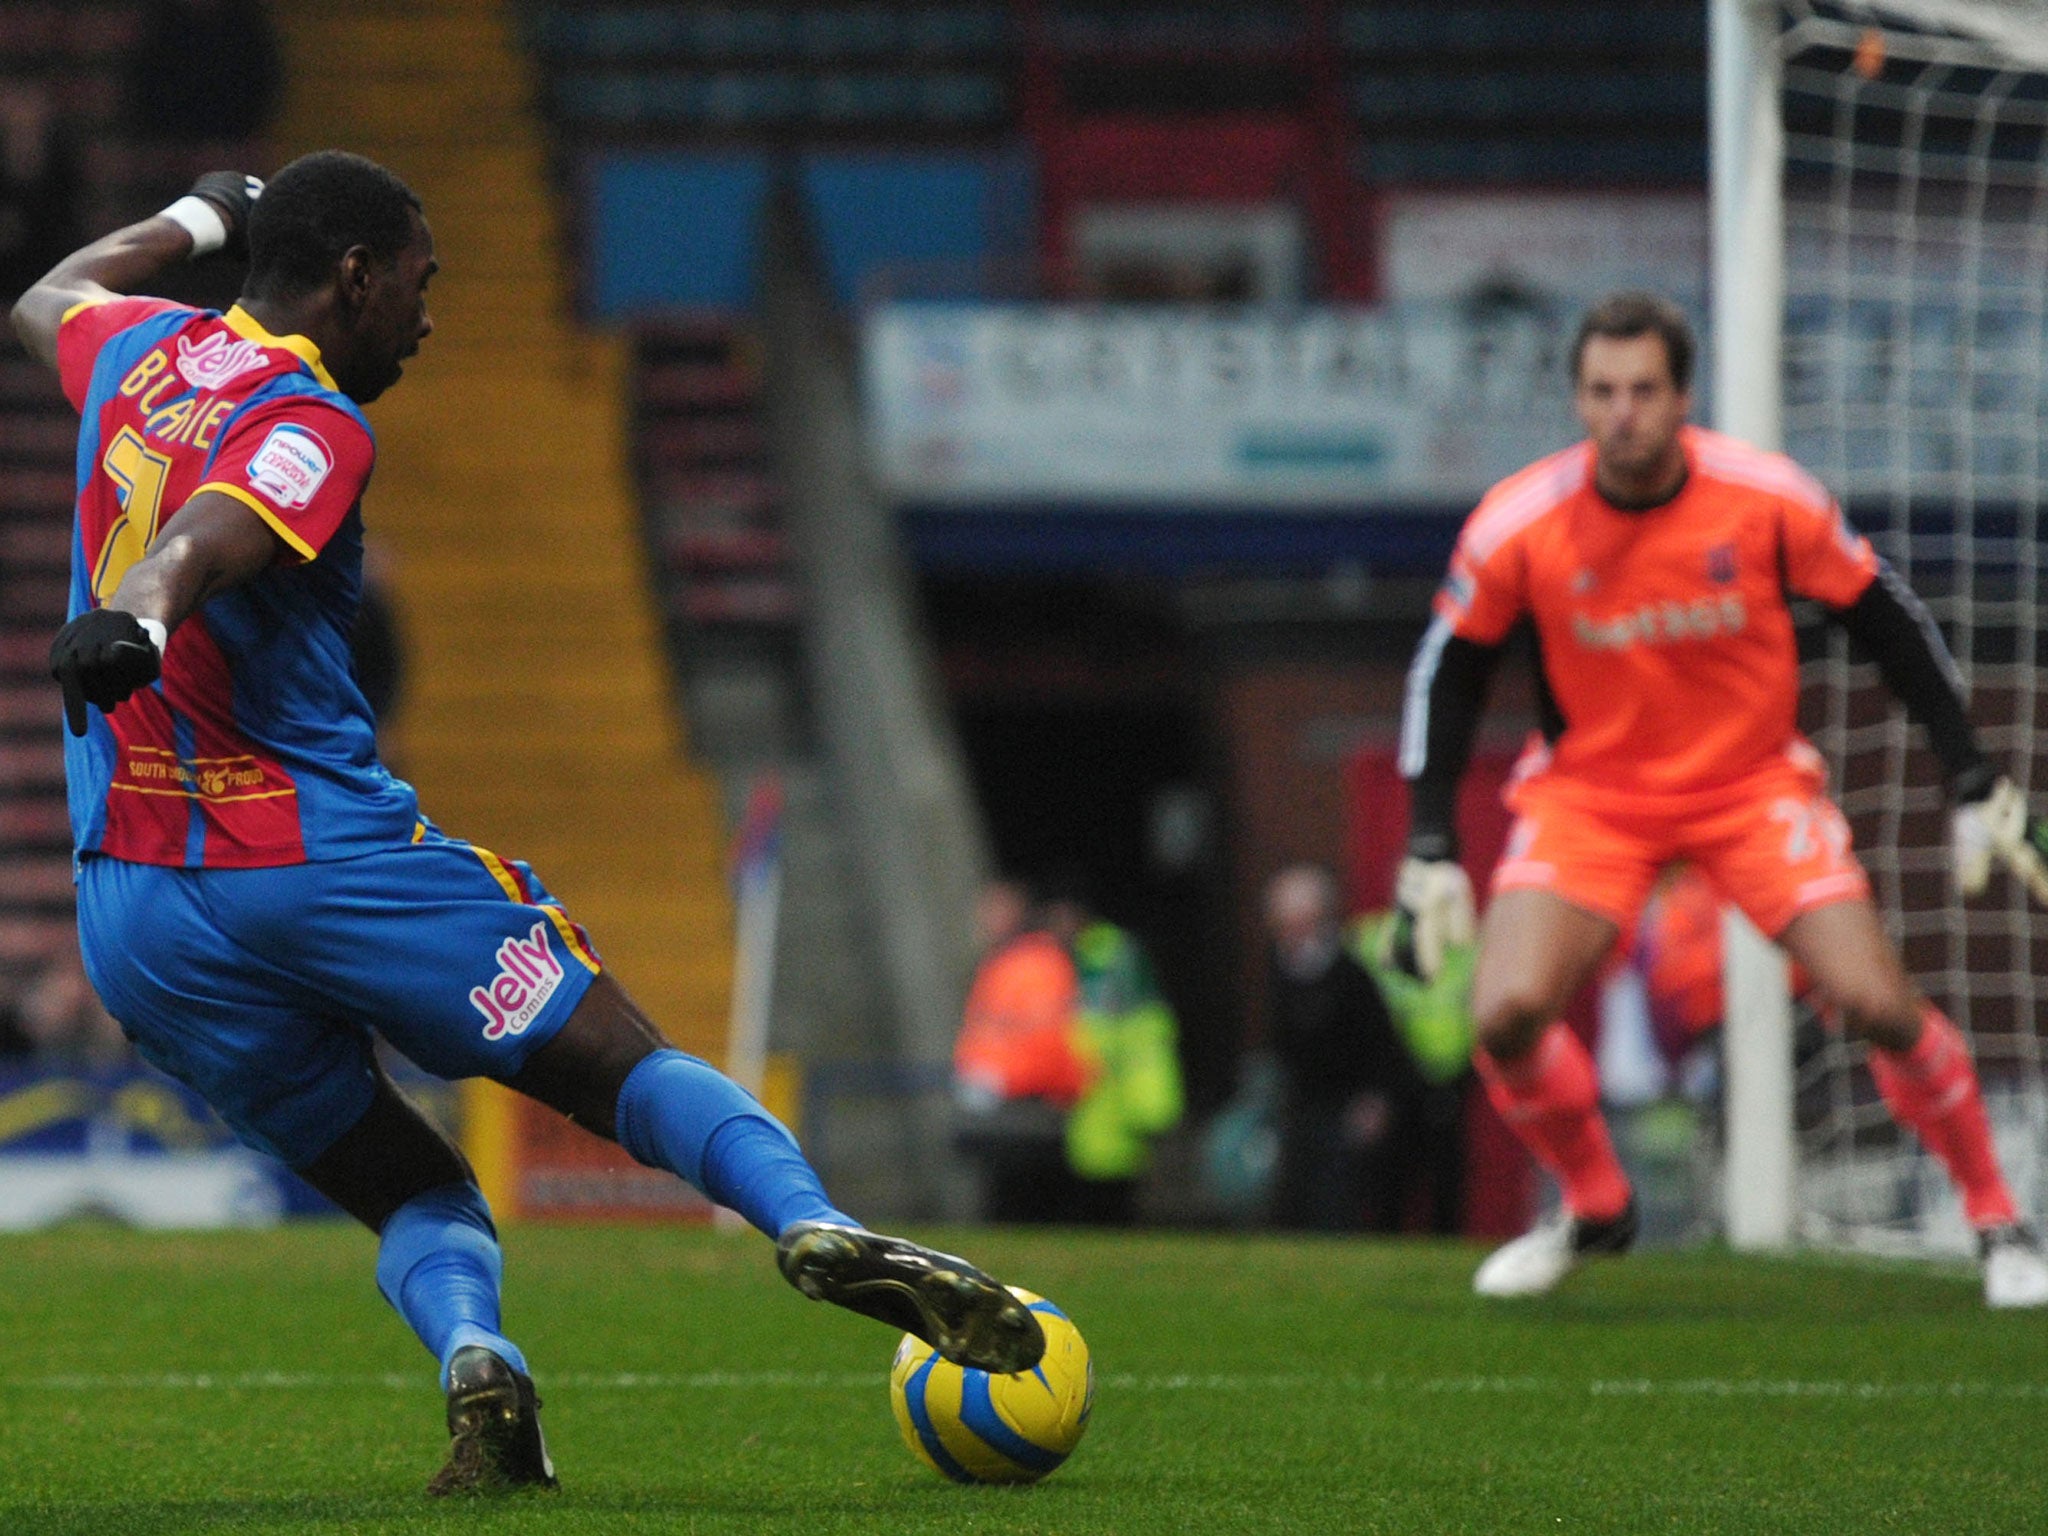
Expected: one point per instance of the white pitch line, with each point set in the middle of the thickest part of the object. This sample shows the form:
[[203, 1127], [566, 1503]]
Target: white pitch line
[[1381, 1384]]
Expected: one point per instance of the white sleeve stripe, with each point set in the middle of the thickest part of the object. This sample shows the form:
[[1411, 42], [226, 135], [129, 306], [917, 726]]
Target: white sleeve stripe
[[1415, 709], [1930, 631], [1495, 522]]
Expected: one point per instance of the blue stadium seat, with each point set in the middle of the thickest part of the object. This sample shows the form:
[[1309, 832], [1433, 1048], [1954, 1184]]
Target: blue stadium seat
[[673, 229], [896, 210]]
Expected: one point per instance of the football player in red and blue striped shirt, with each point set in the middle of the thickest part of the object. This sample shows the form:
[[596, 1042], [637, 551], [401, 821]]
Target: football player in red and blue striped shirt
[[256, 893]]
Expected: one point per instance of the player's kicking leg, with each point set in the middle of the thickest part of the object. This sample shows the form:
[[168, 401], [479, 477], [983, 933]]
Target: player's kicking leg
[[1922, 1067], [609, 1070], [439, 1266], [1536, 951]]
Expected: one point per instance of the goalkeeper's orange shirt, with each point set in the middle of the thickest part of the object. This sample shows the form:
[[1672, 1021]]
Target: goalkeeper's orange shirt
[[1666, 636]]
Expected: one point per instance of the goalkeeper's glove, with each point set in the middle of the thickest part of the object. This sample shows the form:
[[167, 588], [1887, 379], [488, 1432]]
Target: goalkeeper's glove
[[102, 657], [1435, 901], [1996, 825], [215, 213]]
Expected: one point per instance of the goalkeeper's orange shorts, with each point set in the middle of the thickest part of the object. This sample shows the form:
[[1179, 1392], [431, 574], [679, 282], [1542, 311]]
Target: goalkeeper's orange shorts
[[1773, 843]]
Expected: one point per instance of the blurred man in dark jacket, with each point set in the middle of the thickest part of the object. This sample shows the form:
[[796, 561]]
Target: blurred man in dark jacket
[[1346, 1073]]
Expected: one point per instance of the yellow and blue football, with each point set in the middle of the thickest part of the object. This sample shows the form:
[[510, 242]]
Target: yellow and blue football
[[975, 1427]]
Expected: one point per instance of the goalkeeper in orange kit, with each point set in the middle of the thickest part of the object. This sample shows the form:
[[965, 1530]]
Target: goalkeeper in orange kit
[[1655, 561]]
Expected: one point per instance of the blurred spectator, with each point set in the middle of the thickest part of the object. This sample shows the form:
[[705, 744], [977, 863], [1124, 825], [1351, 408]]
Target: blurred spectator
[[1658, 1054], [1067, 1066], [13, 1043], [1659, 1051], [1661, 996], [205, 70], [1677, 950], [58, 1018], [1241, 1144], [39, 187], [1346, 1075], [1016, 1068], [1128, 1040], [1426, 1155]]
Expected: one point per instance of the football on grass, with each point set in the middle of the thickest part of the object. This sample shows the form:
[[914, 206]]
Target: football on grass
[[975, 1427]]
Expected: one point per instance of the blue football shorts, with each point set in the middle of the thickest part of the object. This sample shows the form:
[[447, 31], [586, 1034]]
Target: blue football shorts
[[259, 987]]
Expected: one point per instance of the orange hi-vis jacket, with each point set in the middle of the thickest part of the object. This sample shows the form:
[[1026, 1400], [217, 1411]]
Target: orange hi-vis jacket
[[1018, 1039]]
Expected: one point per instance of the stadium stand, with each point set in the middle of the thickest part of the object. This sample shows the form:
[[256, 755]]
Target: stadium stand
[[77, 54], [78, 48], [1546, 91], [713, 504], [37, 434], [86, 53], [1333, 100], [637, 71]]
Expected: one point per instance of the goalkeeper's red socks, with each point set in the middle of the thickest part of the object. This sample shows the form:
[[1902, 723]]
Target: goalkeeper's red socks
[[1550, 1098], [1932, 1088]]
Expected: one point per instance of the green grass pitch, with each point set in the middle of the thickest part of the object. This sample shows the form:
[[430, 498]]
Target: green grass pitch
[[256, 1383]]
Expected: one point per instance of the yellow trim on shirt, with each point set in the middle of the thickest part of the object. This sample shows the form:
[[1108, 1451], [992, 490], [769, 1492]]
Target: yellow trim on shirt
[[194, 794], [82, 304], [255, 504], [244, 324]]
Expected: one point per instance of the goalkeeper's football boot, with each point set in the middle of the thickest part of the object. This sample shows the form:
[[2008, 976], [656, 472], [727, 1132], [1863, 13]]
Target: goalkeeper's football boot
[[495, 1444], [1535, 1262], [962, 1313], [2015, 1270]]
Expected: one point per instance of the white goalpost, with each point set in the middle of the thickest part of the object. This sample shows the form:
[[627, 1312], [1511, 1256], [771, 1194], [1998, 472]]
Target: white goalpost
[[1745, 159], [1880, 224]]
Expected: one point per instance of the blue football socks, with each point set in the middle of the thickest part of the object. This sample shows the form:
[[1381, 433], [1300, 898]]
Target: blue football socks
[[438, 1264], [681, 1113]]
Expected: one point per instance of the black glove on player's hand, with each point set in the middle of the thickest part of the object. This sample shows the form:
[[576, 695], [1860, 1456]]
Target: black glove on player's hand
[[234, 194], [101, 658]]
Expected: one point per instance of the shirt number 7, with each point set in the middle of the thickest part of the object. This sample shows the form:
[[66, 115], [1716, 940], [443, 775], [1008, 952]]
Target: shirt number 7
[[138, 475]]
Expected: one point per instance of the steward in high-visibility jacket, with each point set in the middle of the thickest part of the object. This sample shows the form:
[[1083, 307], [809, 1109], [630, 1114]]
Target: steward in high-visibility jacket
[[1128, 1038], [1434, 1016], [1435, 1021]]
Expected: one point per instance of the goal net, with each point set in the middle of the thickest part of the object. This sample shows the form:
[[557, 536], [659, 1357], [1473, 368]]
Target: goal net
[[1914, 334]]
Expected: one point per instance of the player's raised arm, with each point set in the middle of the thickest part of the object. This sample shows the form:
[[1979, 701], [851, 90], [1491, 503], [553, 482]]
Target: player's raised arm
[[107, 653], [213, 215], [1990, 820]]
